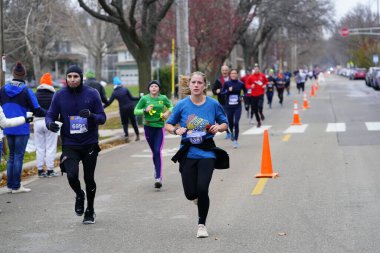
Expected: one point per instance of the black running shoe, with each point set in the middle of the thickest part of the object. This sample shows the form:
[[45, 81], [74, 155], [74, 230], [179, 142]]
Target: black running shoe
[[262, 116], [258, 124], [89, 216], [158, 183], [79, 204]]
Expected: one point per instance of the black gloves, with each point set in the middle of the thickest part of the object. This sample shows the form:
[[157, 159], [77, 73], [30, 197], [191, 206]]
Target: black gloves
[[54, 127], [28, 119], [85, 113]]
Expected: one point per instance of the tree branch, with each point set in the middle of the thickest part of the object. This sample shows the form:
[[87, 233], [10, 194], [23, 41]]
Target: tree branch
[[97, 15]]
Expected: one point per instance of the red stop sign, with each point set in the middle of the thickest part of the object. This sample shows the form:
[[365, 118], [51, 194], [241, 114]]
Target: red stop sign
[[344, 32]]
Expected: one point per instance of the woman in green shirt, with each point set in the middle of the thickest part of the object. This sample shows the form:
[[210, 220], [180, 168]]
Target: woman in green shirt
[[156, 108]]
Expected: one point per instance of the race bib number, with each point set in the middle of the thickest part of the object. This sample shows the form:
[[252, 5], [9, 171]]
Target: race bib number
[[233, 100], [259, 83], [196, 137], [249, 91], [78, 125]]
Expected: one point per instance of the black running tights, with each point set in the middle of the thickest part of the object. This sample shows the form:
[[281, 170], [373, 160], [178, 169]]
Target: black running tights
[[196, 177]]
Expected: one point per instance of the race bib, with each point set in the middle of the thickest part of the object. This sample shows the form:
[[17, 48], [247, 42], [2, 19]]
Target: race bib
[[78, 125], [249, 91], [233, 99], [259, 83], [196, 137]]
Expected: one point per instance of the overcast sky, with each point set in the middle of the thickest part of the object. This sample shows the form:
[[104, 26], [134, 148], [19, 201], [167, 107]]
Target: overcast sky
[[342, 7]]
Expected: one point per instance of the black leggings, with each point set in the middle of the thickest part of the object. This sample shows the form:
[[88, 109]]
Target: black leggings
[[88, 155], [257, 103], [233, 116], [127, 114], [196, 177]]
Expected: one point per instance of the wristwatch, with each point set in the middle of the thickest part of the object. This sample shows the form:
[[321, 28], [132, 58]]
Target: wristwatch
[[175, 131]]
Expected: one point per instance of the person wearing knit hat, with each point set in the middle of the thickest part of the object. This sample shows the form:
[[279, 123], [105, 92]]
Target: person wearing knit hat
[[19, 72], [17, 100], [126, 107], [92, 82], [45, 140], [80, 111], [156, 108]]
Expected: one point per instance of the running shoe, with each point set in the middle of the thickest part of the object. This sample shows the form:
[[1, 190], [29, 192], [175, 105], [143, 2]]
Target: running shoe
[[262, 116], [9, 190], [79, 203], [158, 183], [52, 173], [202, 231], [235, 144], [42, 173], [21, 190], [89, 216], [258, 124]]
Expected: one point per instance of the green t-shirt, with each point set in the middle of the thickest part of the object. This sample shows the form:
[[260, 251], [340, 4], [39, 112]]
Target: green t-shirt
[[154, 117]]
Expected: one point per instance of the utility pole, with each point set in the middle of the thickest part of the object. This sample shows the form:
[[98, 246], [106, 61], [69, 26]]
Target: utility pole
[[183, 47], [2, 73]]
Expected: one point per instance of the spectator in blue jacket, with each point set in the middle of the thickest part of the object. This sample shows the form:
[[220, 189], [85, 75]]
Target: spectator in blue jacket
[[17, 99], [80, 111], [126, 106]]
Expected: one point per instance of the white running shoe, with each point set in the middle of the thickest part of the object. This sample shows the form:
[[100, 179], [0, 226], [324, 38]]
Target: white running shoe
[[236, 144], [9, 190], [202, 231], [21, 190]]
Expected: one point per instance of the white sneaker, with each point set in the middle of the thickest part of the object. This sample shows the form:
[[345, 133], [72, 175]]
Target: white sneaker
[[202, 231], [21, 189], [235, 144], [9, 190]]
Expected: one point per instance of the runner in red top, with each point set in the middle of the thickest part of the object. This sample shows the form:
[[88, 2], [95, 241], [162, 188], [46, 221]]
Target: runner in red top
[[255, 85]]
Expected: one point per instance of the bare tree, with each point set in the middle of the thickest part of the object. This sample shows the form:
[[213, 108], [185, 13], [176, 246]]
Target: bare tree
[[95, 35], [137, 24], [32, 25]]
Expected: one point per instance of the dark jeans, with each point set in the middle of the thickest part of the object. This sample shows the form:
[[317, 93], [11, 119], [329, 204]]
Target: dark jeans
[[88, 154], [155, 139], [17, 146], [196, 177], [233, 116]]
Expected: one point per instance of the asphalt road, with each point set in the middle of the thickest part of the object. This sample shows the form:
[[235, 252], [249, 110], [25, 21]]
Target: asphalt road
[[325, 200]]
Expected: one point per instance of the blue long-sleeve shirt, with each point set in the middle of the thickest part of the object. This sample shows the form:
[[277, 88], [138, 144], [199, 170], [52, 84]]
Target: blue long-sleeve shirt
[[233, 96], [66, 104]]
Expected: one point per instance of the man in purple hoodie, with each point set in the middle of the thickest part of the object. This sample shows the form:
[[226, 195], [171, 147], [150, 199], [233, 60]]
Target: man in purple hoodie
[[80, 111]]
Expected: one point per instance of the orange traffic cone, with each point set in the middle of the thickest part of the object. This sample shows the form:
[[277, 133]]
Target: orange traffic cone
[[266, 161], [316, 86], [296, 116], [305, 102], [312, 92]]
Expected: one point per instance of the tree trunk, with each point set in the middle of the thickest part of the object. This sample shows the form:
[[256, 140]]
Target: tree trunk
[[37, 68], [98, 65], [144, 67]]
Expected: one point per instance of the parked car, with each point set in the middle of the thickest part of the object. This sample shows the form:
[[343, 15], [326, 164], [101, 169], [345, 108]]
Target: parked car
[[358, 74], [369, 75], [376, 79]]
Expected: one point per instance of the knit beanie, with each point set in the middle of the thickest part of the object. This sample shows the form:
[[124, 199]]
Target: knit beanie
[[154, 82], [116, 81], [75, 69], [19, 71], [90, 74], [46, 79]]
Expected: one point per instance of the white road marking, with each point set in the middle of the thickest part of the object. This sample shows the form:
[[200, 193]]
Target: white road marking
[[147, 153], [373, 126], [255, 130], [336, 127], [296, 129]]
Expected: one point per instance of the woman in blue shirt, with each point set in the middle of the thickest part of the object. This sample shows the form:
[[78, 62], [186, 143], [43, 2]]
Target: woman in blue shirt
[[199, 118]]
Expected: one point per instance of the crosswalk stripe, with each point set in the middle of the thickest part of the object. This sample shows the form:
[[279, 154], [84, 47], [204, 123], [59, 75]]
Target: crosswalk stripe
[[296, 129], [373, 126], [336, 127], [255, 130]]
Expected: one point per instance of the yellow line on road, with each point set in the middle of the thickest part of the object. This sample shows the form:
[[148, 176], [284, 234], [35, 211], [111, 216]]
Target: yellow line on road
[[259, 186], [286, 137]]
